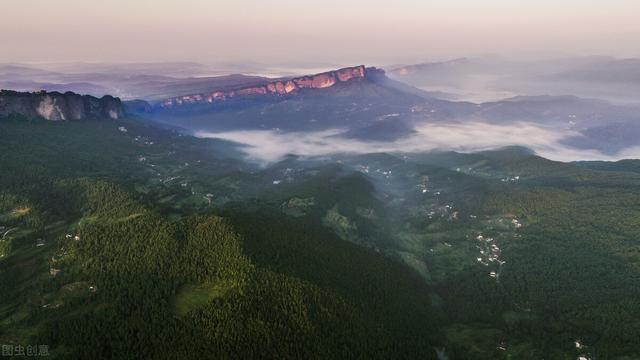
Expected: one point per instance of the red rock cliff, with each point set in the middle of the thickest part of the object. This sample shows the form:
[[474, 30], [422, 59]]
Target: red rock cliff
[[279, 87]]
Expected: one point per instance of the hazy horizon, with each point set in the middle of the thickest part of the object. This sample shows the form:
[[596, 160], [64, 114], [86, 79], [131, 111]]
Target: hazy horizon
[[314, 32]]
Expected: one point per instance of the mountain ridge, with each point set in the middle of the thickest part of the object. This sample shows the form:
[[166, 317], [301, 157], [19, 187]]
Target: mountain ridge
[[56, 106], [279, 87]]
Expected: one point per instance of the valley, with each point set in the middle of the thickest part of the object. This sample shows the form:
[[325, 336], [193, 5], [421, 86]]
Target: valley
[[448, 229], [362, 180]]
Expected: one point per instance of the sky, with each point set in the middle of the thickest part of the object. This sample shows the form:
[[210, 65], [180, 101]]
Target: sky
[[313, 31]]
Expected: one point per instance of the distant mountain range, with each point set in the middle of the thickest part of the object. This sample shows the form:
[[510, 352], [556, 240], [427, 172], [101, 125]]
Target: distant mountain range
[[360, 102], [148, 81], [493, 78], [365, 104]]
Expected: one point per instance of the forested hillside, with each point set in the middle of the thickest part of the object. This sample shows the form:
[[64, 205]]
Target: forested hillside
[[96, 269], [123, 239]]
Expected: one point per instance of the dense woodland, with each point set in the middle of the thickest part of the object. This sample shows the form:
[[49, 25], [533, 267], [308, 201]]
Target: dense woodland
[[138, 283], [106, 258]]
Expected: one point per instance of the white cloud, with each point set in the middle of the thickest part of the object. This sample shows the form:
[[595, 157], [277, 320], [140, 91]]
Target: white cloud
[[269, 146]]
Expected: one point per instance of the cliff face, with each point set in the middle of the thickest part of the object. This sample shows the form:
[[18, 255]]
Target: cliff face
[[56, 106], [280, 87]]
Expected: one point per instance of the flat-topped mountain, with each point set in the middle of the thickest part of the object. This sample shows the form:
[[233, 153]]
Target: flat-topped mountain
[[279, 86], [359, 100], [57, 106]]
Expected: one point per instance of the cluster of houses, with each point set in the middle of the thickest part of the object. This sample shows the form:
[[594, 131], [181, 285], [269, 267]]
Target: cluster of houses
[[423, 186], [385, 173], [288, 175], [516, 223], [510, 179], [74, 237], [53, 271], [443, 211], [362, 168], [489, 253], [580, 346]]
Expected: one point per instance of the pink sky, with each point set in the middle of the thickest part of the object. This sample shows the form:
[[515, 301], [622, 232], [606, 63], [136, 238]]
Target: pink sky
[[354, 31]]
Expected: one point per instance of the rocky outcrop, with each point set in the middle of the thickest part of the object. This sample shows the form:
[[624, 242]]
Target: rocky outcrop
[[280, 87], [57, 106]]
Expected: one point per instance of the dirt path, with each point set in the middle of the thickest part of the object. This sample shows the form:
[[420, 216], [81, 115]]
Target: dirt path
[[8, 231]]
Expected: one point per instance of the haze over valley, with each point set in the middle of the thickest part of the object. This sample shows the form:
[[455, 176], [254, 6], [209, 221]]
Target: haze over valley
[[320, 180]]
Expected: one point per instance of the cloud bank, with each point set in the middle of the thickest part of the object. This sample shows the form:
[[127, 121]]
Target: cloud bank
[[269, 145]]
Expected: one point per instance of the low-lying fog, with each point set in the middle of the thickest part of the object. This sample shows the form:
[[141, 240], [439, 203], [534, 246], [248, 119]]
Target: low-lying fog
[[268, 145], [491, 78]]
